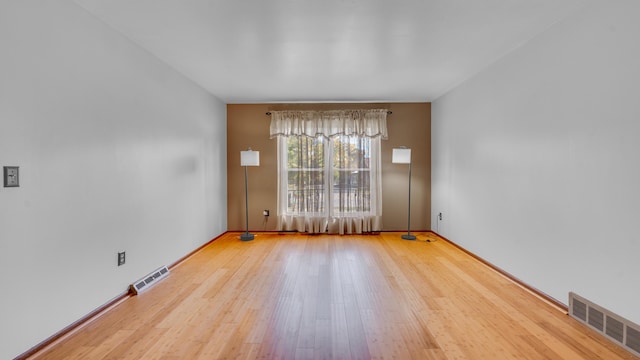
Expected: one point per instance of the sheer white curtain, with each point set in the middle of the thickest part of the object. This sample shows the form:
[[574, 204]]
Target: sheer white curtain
[[329, 170]]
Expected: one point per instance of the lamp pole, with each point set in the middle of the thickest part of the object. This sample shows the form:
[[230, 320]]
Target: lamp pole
[[246, 236], [408, 236], [248, 158]]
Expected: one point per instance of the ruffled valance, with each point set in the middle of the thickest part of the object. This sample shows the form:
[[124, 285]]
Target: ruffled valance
[[364, 122]]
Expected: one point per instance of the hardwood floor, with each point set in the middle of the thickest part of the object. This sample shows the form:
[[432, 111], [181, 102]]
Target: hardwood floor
[[333, 297]]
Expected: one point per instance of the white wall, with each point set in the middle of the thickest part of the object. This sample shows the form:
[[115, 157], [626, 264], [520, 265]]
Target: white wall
[[117, 152], [536, 160]]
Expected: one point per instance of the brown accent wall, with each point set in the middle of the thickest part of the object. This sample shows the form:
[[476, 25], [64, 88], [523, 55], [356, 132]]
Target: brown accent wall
[[408, 125]]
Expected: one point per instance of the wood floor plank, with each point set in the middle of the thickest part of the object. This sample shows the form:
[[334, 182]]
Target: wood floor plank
[[300, 296]]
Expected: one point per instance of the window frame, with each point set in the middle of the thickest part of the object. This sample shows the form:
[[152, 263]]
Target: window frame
[[330, 206]]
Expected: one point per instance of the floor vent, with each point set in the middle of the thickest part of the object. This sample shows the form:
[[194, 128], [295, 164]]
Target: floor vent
[[618, 329], [151, 279]]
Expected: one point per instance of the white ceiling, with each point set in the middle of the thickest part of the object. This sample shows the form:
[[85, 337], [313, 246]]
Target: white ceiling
[[254, 51]]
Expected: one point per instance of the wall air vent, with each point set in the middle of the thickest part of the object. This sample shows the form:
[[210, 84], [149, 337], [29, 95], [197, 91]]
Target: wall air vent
[[149, 280], [616, 328]]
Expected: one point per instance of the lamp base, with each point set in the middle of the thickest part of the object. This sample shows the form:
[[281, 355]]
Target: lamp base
[[408, 237], [246, 237]]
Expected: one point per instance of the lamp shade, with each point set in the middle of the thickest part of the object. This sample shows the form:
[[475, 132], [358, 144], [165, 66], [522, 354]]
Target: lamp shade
[[249, 158], [401, 156]]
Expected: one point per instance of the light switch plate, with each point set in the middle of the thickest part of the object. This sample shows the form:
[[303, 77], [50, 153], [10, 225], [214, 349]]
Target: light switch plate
[[11, 176]]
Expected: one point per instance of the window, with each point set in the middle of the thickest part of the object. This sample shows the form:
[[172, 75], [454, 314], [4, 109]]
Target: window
[[329, 176], [328, 170], [351, 177], [306, 186]]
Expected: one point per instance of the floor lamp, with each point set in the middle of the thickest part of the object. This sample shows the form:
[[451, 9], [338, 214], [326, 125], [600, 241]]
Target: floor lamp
[[402, 155], [248, 158]]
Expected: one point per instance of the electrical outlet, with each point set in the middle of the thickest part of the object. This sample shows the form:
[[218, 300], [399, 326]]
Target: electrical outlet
[[121, 258], [265, 212], [439, 216]]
